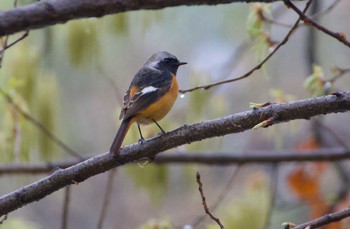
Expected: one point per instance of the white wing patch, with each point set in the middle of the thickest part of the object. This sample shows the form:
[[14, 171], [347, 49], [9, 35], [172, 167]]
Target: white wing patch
[[148, 89]]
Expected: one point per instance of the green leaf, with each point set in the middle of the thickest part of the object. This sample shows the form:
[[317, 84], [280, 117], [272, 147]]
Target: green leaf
[[13, 131], [23, 71], [315, 83], [259, 30], [255, 23], [82, 41], [118, 23], [46, 109], [261, 46]]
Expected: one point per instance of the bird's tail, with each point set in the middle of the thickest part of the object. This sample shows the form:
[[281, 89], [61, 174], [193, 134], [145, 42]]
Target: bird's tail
[[119, 137]]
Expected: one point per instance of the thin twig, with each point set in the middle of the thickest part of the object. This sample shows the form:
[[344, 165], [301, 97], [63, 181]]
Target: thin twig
[[307, 20], [272, 21], [2, 50], [233, 60], [339, 73], [227, 188], [40, 126], [247, 74], [314, 16], [206, 209], [5, 44], [65, 213], [107, 198], [221, 196]]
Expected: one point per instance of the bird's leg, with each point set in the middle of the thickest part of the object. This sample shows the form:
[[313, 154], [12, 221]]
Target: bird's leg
[[161, 129], [141, 139]]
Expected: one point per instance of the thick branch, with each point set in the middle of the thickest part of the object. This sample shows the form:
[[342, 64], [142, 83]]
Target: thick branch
[[277, 113], [50, 12]]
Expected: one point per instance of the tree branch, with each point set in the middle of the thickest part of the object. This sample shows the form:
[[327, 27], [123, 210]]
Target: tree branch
[[50, 12], [339, 36], [233, 158], [325, 220], [256, 67], [303, 109], [220, 197], [204, 202]]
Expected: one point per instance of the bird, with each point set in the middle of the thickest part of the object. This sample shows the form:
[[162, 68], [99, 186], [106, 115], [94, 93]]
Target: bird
[[150, 96]]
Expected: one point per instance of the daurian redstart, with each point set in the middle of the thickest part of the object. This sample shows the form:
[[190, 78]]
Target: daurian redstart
[[150, 96]]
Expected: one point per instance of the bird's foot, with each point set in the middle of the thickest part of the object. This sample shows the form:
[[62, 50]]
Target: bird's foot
[[161, 133], [141, 140]]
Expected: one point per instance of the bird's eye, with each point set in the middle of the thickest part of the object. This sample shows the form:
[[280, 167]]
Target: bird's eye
[[167, 60]]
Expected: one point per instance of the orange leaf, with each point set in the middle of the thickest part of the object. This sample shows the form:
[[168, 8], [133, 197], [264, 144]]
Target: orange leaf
[[336, 225], [304, 184]]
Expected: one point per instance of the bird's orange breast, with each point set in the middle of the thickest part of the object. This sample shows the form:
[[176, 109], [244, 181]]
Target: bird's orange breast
[[161, 107]]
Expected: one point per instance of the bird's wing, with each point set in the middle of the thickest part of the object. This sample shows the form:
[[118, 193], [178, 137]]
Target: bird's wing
[[148, 86]]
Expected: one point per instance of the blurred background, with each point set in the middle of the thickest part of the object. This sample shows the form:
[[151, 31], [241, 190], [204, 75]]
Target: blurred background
[[72, 79]]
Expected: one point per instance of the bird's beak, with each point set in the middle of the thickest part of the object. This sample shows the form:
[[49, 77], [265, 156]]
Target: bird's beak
[[181, 63]]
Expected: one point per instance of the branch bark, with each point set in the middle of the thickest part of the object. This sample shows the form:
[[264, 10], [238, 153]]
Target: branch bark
[[50, 12], [325, 220], [276, 113]]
